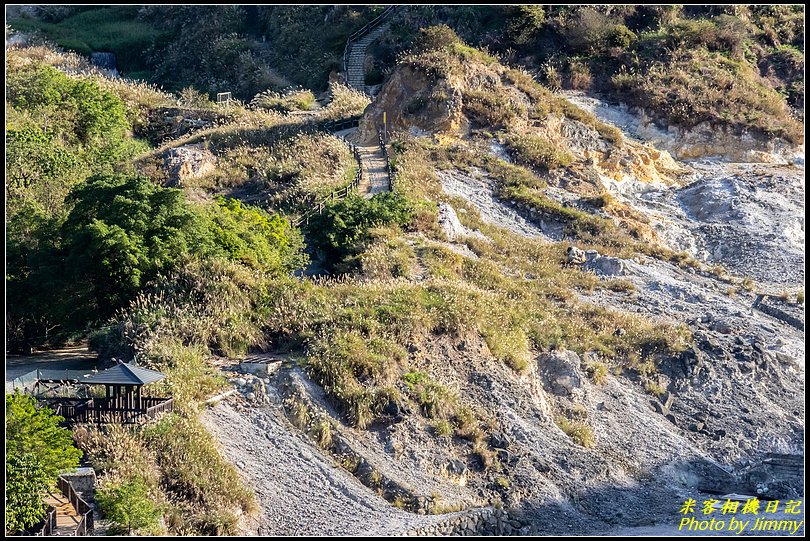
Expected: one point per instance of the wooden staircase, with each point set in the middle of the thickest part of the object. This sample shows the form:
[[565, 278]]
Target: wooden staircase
[[354, 55]]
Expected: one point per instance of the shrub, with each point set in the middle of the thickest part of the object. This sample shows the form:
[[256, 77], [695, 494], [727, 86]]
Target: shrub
[[655, 388], [598, 372], [34, 430], [535, 151], [442, 428], [343, 227], [437, 37], [622, 37], [345, 102], [579, 75], [26, 481], [195, 471], [578, 431], [128, 506], [289, 100]]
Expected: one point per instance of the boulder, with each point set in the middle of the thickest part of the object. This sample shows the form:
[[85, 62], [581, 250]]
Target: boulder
[[575, 255], [188, 162], [456, 467], [449, 222], [606, 265], [561, 372]]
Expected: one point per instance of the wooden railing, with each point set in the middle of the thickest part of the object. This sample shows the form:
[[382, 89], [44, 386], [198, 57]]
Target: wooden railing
[[388, 169], [156, 406], [108, 410], [374, 23], [83, 509], [50, 523]]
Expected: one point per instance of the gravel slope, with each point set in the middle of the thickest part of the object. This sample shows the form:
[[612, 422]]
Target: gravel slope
[[300, 491]]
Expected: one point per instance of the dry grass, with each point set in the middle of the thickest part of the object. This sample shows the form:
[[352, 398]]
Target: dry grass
[[578, 431]]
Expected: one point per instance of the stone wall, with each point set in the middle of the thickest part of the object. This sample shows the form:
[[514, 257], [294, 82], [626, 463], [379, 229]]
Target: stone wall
[[486, 521]]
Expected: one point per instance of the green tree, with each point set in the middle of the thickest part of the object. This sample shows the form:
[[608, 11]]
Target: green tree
[[30, 429], [26, 482], [128, 506], [343, 226], [255, 238], [121, 232], [524, 23], [85, 110], [33, 272]]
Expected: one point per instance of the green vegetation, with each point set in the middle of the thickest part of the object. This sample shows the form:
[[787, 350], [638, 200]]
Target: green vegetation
[[37, 450], [344, 225], [578, 431], [176, 277], [34, 430], [284, 102], [123, 231], [26, 482], [128, 507], [655, 388], [598, 372], [739, 67], [536, 151], [306, 42], [86, 29], [59, 130]]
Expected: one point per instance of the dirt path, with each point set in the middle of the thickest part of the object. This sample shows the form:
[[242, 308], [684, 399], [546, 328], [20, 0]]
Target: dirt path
[[300, 491], [375, 175]]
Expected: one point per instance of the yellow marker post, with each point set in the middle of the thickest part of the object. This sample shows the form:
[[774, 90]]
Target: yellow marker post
[[385, 127]]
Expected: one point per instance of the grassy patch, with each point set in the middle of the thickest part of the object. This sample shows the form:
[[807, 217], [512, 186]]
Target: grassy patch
[[578, 431]]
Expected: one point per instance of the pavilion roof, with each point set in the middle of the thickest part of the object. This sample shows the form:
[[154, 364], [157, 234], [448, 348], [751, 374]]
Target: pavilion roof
[[123, 374]]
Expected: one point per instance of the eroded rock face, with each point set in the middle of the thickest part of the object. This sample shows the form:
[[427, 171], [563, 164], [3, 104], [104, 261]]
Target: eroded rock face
[[408, 101], [188, 162], [705, 140], [560, 372], [449, 222]]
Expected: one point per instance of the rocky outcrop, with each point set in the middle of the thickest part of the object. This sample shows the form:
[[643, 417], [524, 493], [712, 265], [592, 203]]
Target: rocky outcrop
[[409, 101], [188, 162], [560, 372], [452, 227], [607, 266], [706, 141]]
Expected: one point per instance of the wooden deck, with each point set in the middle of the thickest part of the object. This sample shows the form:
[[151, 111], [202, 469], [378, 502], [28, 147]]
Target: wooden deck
[[67, 519]]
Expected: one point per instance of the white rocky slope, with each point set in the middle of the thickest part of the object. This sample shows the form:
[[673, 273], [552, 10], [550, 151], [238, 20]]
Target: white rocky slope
[[748, 217]]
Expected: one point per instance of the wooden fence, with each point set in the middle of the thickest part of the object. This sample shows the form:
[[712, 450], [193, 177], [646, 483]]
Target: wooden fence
[[106, 411], [83, 509]]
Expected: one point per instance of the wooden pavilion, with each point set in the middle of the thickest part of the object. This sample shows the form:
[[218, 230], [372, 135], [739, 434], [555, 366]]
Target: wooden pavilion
[[123, 401]]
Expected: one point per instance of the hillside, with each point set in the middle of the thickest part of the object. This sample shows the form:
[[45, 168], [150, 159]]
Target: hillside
[[530, 310], [738, 67]]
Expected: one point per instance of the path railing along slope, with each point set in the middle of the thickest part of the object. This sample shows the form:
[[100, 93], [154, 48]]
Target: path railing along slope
[[354, 54]]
